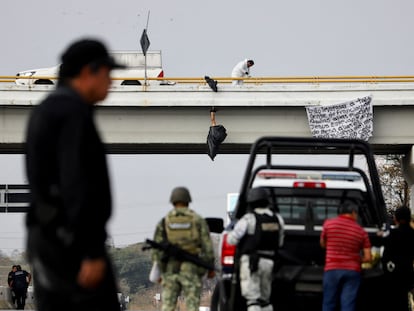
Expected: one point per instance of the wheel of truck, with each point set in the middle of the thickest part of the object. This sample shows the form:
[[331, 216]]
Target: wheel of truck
[[131, 82], [218, 302], [44, 82]]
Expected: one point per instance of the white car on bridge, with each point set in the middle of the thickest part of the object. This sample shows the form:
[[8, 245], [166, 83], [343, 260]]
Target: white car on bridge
[[134, 74]]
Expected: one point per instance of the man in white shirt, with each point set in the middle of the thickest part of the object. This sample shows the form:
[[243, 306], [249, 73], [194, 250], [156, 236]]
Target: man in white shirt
[[242, 69]]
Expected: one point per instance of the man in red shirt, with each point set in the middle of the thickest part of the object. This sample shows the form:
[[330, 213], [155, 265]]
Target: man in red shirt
[[343, 239]]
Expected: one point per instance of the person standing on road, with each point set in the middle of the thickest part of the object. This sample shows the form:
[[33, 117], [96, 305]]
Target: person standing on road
[[69, 183], [9, 281], [242, 69], [187, 230], [398, 260], [19, 284], [343, 239], [258, 234]]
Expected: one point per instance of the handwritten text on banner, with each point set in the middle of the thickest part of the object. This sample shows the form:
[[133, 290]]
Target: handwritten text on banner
[[347, 120]]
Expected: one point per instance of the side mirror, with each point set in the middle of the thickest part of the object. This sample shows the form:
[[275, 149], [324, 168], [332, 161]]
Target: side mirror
[[216, 225]]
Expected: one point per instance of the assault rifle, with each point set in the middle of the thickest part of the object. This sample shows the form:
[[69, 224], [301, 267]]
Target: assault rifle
[[172, 250]]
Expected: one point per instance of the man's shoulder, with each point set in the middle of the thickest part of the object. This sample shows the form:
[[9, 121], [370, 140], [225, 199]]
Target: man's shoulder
[[264, 211], [19, 273], [344, 221], [330, 221], [248, 216], [405, 232], [62, 99], [197, 217]]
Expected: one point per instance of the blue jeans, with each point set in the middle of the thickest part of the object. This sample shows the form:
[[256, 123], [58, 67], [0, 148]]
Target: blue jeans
[[340, 286]]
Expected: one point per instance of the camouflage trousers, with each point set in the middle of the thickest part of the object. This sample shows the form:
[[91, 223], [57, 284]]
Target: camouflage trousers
[[185, 279], [256, 287]]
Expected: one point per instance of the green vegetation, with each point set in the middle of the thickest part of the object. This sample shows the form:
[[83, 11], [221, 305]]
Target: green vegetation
[[132, 265]]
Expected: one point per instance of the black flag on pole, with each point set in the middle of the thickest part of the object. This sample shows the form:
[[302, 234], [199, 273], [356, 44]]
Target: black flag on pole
[[145, 43]]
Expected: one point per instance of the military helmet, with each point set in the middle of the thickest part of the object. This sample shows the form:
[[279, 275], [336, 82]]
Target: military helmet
[[180, 194], [257, 197]]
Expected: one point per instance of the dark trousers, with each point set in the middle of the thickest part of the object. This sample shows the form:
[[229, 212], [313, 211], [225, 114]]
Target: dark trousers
[[397, 288], [74, 298], [340, 287], [13, 295], [20, 298], [55, 268], [397, 298]]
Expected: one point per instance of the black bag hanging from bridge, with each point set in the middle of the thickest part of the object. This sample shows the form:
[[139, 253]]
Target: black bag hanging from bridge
[[215, 137]]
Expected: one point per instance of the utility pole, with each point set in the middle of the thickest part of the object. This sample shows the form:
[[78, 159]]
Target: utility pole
[[145, 43]]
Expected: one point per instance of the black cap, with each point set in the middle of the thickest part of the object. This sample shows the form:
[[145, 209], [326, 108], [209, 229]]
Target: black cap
[[85, 52]]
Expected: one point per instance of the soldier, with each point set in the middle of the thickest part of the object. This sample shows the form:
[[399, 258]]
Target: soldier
[[187, 230], [259, 234]]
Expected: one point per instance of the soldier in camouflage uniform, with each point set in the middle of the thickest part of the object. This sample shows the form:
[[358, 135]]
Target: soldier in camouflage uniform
[[189, 231]]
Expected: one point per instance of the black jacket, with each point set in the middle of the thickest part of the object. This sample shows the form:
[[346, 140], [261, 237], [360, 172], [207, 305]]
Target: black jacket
[[398, 255], [67, 172]]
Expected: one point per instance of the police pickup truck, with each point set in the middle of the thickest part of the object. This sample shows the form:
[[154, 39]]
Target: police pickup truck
[[306, 194]]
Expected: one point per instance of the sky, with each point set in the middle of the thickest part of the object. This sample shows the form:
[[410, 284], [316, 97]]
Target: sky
[[141, 187], [197, 38], [285, 38]]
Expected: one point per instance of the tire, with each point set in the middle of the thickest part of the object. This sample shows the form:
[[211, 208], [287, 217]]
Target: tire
[[131, 82], [44, 82], [217, 301]]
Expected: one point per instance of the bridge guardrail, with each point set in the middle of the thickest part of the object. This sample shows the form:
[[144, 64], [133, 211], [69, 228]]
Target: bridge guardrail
[[254, 80]]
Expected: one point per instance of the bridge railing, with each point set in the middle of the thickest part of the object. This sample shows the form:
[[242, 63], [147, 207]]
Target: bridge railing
[[254, 80]]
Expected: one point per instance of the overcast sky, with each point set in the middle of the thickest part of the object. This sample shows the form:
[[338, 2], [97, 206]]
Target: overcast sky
[[141, 188], [285, 38]]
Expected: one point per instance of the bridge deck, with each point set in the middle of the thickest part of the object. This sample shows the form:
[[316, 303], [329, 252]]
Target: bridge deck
[[176, 118]]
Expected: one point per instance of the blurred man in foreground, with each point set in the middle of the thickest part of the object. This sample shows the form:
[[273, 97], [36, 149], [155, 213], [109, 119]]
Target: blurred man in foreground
[[68, 177]]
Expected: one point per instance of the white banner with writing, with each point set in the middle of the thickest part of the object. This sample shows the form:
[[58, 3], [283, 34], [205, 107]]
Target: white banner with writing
[[347, 120]]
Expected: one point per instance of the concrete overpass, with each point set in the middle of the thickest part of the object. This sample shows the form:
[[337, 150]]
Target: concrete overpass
[[176, 119], [168, 119]]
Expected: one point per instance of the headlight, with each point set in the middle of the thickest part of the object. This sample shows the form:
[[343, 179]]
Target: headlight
[[25, 73]]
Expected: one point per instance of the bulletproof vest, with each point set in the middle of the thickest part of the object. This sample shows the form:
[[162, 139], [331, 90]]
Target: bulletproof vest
[[19, 280], [181, 230], [265, 237]]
